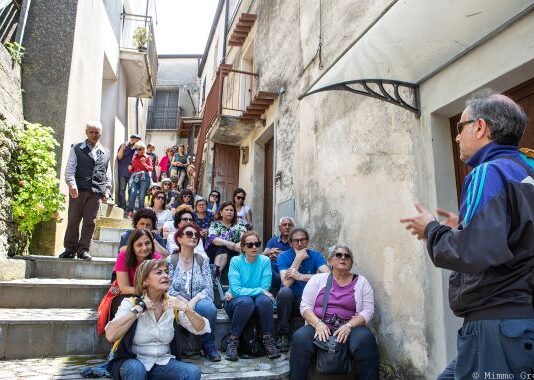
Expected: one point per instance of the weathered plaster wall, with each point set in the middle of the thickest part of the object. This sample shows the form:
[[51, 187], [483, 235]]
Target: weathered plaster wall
[[349, 163]]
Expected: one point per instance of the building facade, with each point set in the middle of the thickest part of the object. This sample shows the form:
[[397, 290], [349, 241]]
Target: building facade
[[348, 166]]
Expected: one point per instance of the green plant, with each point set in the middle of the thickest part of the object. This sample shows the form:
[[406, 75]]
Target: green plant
[[16, 51], [33, 179], [141, 37]]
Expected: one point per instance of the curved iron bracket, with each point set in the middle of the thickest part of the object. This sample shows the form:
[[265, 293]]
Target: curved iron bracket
[[386, 90]]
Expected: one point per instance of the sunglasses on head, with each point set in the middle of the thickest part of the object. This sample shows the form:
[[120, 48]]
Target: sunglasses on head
[[256, 244], [186, 219], [191, 234], [342, 255]]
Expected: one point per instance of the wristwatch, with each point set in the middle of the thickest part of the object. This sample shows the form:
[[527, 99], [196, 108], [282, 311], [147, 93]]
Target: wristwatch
[[135, 311]]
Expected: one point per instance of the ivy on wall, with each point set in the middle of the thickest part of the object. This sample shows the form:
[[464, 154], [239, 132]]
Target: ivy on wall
[[28, 165]]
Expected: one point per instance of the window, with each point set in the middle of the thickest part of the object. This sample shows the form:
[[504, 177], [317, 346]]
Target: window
[[164, 113]]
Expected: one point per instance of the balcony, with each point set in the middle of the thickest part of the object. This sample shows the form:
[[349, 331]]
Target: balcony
[[138, 55]]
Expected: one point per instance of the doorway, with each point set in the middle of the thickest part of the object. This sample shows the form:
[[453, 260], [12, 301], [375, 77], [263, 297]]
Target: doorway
[[268, 189], [225, 170]]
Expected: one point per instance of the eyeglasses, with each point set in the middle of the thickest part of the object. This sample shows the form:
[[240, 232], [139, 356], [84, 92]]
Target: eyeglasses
[[191, 234], [300, 241], [256, 244], [161, 198], [240, 198], [341, 255], [186, 219], [287, 224], [214, 195], [460, 125], [186, 196]]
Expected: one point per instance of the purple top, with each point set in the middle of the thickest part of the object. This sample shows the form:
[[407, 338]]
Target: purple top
[[341, 301]]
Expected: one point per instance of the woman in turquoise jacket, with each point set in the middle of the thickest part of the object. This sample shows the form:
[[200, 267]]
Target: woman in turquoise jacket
[[249, 277]]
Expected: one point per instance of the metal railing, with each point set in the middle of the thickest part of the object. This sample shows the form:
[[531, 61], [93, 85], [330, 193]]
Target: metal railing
[[163, 117], [9, 19]]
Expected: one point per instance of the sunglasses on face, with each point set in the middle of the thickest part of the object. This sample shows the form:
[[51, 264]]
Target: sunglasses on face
[[300, 241], [186, 196], [191, 234], [186, 219], [160, 198], [460, 125], [240, 198], [256, 244], [341, 255], [214, 195]]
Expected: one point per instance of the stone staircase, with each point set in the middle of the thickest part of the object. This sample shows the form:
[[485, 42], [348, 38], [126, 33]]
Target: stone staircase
[[48, 320]]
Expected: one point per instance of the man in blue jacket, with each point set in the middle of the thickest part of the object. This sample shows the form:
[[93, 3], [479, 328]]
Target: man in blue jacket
[[490, 246]]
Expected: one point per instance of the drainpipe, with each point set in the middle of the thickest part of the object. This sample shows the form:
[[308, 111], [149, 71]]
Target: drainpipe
[[225, 31], [137, 115]]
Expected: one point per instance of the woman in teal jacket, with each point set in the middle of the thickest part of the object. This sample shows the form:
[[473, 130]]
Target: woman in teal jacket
[[249, 277]]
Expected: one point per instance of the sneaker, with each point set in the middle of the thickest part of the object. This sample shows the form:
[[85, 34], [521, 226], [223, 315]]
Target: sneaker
[[272, 351], [231, 349], [211, 353], [67, 255], [84, 255], [282, 343]]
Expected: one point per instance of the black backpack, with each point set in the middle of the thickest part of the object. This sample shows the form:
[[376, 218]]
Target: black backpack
[[250, 341]]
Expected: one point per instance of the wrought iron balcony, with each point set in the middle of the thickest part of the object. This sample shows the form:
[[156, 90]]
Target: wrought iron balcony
[[139, 55]]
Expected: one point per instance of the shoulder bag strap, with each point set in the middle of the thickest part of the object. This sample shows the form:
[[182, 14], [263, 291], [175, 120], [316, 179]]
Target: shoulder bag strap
[[326, 294]]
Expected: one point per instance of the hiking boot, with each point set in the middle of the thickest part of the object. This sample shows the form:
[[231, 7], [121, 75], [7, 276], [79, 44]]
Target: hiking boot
[[211, 353], [67, 255], [231, 348], [84, 255], [282, 343], [272, 351]]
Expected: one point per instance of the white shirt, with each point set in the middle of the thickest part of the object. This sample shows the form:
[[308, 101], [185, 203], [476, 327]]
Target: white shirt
[[151, 342], [171, 246], [163, 217]]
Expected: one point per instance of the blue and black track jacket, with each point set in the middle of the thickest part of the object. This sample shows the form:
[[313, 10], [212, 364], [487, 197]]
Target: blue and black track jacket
[[491, 254]]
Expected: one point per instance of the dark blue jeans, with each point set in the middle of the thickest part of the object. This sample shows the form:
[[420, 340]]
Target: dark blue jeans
[[121, 192], [133, 369], [501, 346], [207, 309], [240, 310], [287, 306], [138, 190], [362, 346]]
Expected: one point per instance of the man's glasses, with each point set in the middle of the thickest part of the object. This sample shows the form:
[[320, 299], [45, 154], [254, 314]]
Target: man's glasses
[[341, 255], [256, 244], [287, 224], [460, 125], [191, 234], [186, 219], [240, 197], [300, 241]]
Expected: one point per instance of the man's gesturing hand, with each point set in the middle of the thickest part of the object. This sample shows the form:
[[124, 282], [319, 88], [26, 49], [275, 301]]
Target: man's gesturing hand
[[417, 224]]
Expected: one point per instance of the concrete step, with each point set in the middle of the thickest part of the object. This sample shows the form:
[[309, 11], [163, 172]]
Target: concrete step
[[101, 248], [114, 223], [69, 368], [38, 333], [53, 267], [110, 211], [112, 234], [52, 293]]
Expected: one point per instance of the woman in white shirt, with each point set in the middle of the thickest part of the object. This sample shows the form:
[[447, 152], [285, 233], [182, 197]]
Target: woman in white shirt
[[157, 203], [147, 328], [244, 212]]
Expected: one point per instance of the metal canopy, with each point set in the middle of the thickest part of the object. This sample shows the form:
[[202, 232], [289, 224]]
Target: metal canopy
[[411, 41]]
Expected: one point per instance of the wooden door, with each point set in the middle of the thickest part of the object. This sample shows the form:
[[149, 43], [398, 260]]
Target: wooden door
[[226, 170], [268, 190], [523, 94]]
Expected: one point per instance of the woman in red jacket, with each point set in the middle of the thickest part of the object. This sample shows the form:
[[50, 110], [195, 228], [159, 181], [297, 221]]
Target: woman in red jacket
[[141, 167]]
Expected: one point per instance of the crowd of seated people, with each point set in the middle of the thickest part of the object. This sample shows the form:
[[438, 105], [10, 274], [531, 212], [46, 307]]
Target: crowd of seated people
[[186, 245]]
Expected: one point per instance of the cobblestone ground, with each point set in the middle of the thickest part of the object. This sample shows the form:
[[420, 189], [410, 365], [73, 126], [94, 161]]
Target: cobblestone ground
[[69, 368]]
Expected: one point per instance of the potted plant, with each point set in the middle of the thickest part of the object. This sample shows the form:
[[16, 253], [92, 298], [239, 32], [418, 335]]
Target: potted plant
[[141, 38]]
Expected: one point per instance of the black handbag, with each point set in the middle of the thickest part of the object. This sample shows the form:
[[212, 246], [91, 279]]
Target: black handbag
[[332, 357]]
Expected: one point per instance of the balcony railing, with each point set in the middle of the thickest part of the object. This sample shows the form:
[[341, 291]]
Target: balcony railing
[[163, 117], [237, 92], [9, 19]]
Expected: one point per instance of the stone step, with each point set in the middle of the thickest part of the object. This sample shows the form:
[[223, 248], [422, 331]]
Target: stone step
[[52, 293], [110, 211], [53, 267], [112, 233], [114, 223], [37, 333], [101, 248], [69, 368]]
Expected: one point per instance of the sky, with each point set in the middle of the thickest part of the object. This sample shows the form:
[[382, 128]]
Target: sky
[[183, 25]]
